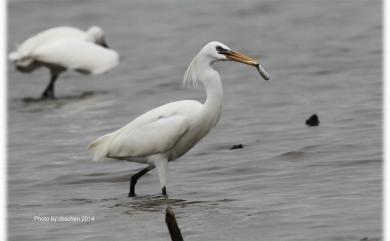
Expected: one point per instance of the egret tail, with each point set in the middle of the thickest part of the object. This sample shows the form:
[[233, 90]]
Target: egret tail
[[100, 147]]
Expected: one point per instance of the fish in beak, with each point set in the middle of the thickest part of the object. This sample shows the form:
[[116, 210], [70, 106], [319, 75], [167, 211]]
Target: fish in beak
[[241, 58]]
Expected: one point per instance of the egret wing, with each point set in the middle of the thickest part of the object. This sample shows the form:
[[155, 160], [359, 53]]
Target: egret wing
[[79, 55], [45, 37], [151, 138]]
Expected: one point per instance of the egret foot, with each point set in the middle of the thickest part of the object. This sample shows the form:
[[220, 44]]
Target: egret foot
[[131, 194], [48, 94], [164, 191]]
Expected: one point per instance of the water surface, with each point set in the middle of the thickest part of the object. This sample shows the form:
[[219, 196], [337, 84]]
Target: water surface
[[289, 182]]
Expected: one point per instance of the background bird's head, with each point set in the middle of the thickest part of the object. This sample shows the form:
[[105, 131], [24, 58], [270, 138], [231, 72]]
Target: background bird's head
[[96, 34]]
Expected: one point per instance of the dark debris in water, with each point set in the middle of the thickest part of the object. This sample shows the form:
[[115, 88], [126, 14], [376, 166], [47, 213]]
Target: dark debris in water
[[313, 120], [238, 146]]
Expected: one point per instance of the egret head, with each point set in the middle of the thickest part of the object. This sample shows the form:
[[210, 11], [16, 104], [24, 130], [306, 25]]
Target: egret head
[[217, 51], [97, 35], [213, 52]]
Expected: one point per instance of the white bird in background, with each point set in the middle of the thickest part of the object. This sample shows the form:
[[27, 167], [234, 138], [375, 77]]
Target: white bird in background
[[63, 48], [167, 132]]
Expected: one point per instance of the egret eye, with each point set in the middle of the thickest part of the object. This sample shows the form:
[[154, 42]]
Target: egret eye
[[219, 48]]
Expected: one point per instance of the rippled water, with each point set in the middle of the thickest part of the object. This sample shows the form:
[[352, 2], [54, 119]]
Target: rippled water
[[289, 182]]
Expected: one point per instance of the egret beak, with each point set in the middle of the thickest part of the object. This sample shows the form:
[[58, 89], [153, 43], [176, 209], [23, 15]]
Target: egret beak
[[241, 58], [104, 43]]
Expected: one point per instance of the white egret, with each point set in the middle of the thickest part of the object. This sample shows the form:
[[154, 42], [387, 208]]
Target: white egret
[[167, 132], [63, 48]]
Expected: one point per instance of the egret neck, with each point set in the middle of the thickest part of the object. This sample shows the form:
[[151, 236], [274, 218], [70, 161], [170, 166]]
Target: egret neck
[[213, 86]]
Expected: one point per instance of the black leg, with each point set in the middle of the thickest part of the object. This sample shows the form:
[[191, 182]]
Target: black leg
[[134, 179], [164, 191], [173, 228], [49, 91]]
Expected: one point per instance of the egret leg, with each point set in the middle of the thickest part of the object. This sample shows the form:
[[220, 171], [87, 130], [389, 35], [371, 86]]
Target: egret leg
[[49, 91], [135, 177], [164, 191], [161, 166]]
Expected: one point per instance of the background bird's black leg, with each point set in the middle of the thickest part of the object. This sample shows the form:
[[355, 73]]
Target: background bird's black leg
[[49, 91], [134, 179]]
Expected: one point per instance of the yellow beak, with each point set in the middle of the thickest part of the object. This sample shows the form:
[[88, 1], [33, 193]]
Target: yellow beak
[[241, 58]]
